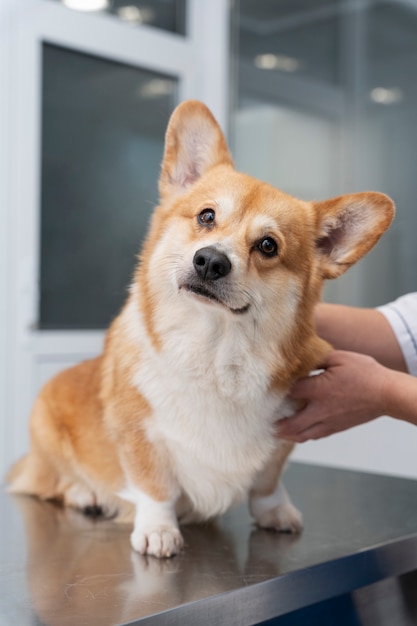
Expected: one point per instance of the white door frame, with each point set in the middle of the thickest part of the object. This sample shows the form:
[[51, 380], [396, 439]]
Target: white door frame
[[202, 72], [5, 217]]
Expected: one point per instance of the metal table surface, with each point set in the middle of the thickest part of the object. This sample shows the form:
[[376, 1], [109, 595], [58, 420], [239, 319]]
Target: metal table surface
[[59, 568]]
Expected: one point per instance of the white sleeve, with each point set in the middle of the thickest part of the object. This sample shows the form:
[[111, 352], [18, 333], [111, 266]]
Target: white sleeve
[[402, 315]]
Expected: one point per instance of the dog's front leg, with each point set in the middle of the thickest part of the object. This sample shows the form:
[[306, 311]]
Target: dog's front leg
[[269, 502], [154, 492], [155, 529]]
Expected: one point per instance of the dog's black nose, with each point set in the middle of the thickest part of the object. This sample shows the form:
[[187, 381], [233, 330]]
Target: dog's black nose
[[210, 264]]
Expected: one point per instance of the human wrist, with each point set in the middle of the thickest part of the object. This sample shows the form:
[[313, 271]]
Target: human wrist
[[388, 391], [398, 394]]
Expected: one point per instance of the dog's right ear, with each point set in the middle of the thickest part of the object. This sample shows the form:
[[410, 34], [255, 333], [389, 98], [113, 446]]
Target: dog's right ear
[[194, 143]]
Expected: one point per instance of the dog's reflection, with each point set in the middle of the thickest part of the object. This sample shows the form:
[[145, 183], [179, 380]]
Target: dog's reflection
[[82, 570]]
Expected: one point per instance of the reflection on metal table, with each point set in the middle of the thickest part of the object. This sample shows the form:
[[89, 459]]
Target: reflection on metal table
[[59, 568]]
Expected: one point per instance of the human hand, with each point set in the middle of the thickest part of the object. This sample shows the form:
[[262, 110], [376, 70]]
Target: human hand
[[349, 392]]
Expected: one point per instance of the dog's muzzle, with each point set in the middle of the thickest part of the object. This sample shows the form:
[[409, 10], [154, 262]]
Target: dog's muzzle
[[209, 266]]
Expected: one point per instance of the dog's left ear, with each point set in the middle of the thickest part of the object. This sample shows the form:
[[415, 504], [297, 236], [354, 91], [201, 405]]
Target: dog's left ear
[[194, 143], [348, 227]]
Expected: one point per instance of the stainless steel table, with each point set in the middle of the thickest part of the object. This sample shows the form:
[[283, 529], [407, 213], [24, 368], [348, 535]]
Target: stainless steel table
[[356, 559]]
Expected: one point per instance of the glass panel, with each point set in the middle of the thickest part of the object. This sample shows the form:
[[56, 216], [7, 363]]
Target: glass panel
[[103, 128], [289, 106], [164, 14], [388, 131], [327, 104], [302, 35]]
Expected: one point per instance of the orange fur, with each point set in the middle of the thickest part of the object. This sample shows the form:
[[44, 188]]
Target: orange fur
[[121, 427]]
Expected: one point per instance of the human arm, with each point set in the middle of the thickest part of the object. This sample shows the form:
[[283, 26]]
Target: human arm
[[366, 331], [353, 389]]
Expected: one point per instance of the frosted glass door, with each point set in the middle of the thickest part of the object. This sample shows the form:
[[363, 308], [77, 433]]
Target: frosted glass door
[[103, 126]]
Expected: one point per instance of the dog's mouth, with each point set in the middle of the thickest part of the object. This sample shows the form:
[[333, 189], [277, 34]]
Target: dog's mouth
[[199, 290]]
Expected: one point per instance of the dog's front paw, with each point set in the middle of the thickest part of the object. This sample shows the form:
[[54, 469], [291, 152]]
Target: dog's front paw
[[160, 541], [285, 518]]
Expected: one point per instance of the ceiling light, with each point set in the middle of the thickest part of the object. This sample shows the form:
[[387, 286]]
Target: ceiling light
[[384, 95], [130, 13], [156, 87], [277, 62], [86, 5]]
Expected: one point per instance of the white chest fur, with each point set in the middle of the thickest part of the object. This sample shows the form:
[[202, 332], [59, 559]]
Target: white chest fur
[[212, 408]]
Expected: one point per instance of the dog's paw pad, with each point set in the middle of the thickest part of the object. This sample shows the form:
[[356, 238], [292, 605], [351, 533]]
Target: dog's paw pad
[[285, 518], [162, 542]]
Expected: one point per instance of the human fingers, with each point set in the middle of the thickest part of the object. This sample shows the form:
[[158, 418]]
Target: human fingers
[[303, 428], [292, 428], [322, 380], [305, 388], [316, 431]]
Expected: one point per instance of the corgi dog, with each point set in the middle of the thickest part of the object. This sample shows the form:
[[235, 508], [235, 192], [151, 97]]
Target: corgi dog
[[175, 421]]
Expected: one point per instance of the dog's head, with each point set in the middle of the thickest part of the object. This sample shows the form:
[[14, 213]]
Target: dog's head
[[239, 247]]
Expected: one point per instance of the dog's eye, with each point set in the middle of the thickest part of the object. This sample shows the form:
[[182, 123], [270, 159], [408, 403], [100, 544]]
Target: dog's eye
[[206, 217], [268, 247]]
